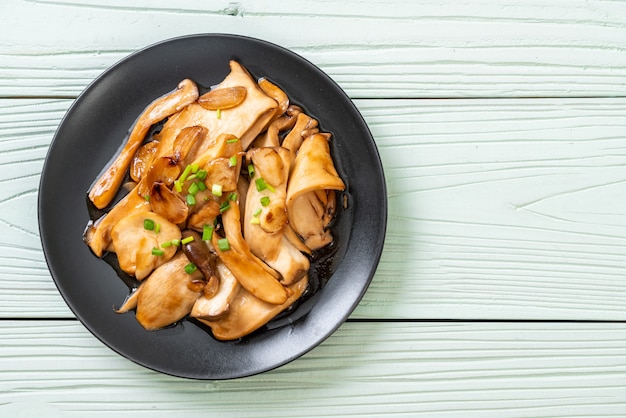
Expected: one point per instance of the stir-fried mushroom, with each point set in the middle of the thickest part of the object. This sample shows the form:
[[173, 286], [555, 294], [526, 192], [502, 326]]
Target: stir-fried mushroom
[[313, 170], [180, 230], [215, 306], [136, 236], [248, 313], [106, 186], [266, 214], [198, 253], [168, 294]]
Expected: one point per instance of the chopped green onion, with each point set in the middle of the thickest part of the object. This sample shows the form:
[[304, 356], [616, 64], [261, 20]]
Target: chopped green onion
[[178, 186], [186, 172], [219, 113], [232, 161], [201, 186], [207, 232], [265, 201], [255, 221], [270, 188], [191, 177], [232, 196], [216, 190], [157, 252], [175, 242], [148, 224], [232, 141], [187, 240], [201, 174], [223, 244], [157, 228], [257, 212], [190, 268], [147, 197], [167, 244], [193, 189], [260, 184], [194, 168], [250, 170], [191, 200], [224, 206]]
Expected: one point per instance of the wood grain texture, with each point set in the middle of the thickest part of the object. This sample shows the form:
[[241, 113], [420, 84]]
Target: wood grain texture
[[504, 208], [56, 368], [373, 49]]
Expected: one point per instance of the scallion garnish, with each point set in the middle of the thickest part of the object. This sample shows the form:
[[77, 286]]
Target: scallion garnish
[[207, 232], [219, 113], [223, 244], [157, 228], [194, 168], [224, 206], [157, 252], [148, 224], [265, 201], [232, 161], [193, 189], [232, 196], [178, 186], [190, 268], [187, 240], [201, 174], [186, 172], [257, 212], [260, 184], [255, 221], [191, 200], [250, 170], [232, 141], [216, 190], [201, 186], [167, 244]]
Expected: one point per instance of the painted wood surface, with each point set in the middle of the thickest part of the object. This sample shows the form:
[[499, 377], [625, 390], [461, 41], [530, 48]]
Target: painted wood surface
[[400, 48], [365, 369], [501, 128]]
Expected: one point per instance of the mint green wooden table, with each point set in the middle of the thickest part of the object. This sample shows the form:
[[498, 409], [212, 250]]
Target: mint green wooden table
[[502, 288]]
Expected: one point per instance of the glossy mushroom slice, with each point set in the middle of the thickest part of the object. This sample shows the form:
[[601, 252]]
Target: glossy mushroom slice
[[105, 188], [168, 294], [265, 217], [98, 234], [244, 121], [248, 313], [137, 242], [215, 306], [313, 170], [254, 275]]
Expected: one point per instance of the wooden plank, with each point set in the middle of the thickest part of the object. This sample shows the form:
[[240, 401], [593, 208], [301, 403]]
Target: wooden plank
[[508, 209], [56, 368], [373, 49]]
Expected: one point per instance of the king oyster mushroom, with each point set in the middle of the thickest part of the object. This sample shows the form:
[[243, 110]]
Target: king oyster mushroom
[[313, 170], [107, 185]]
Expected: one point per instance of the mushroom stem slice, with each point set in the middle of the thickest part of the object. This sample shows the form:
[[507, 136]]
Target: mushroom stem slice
[[109, 182], [168, 294], [216, 306]]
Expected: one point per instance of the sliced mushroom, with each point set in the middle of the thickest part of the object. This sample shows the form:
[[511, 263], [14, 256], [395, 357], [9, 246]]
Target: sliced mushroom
[[205, 215], [168, 294], [163, 170], [98, 235], [304, 127], [135, 236], [223, 98], [198, 253], [248, 313], [109, 182], [252, 273], [217, 305], [313, 170], [168, 204]]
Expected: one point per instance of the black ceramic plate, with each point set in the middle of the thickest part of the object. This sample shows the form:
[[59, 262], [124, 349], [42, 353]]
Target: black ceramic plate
[[91, 134]]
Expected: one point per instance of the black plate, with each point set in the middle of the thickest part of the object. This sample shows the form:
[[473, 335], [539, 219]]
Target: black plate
[[91, 134]]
